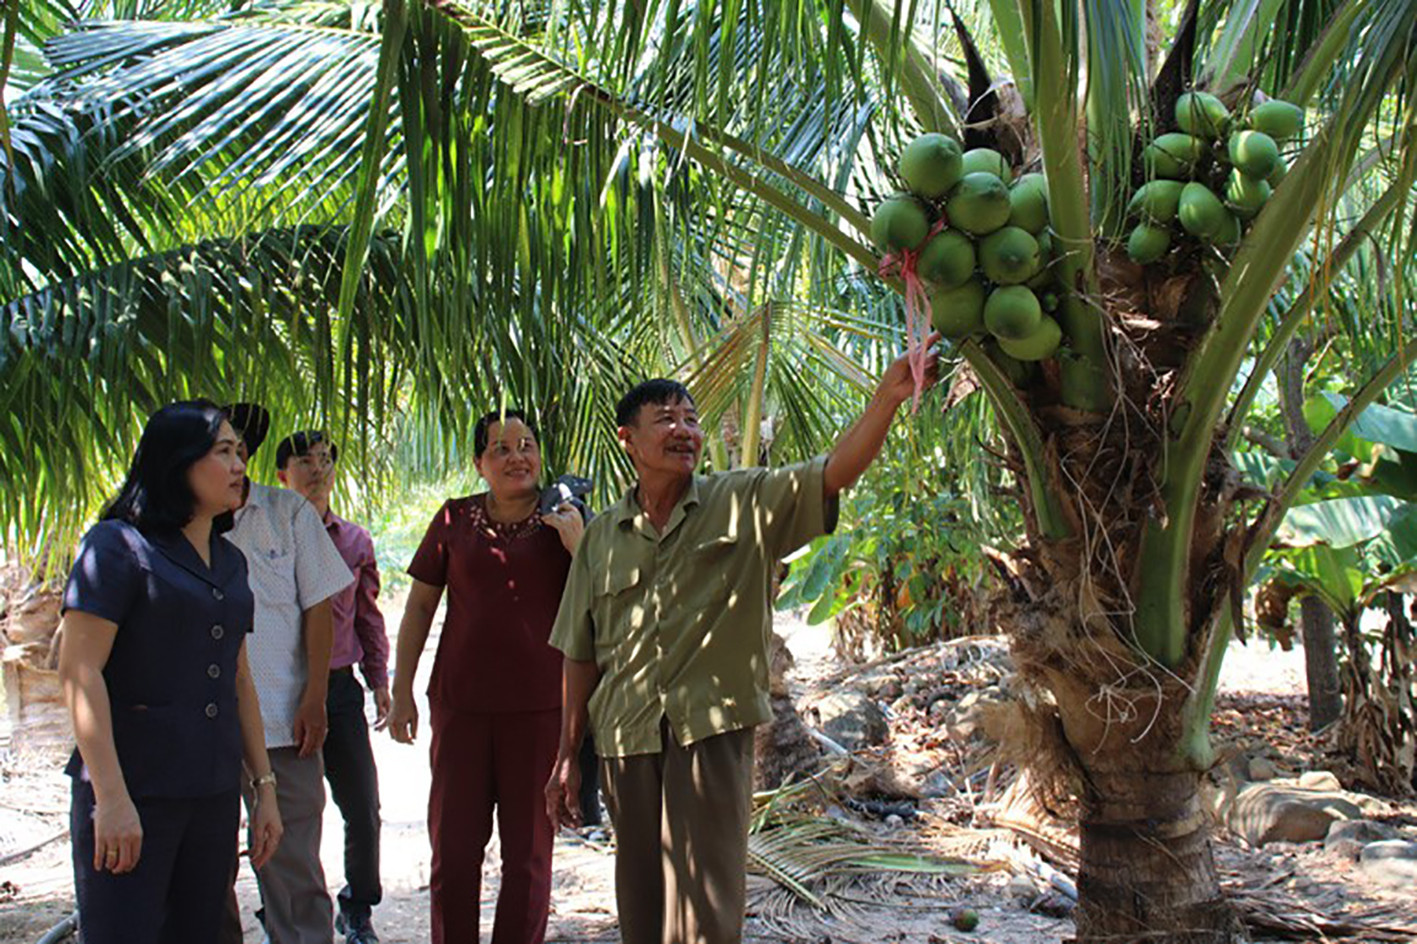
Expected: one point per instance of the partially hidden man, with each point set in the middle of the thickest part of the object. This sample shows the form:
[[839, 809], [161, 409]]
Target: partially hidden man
[[295, 571], [664, 625], [306, 462]]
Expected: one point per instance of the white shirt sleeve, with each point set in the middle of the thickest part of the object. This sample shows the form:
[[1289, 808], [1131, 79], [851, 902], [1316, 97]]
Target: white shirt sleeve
[[320, 571]]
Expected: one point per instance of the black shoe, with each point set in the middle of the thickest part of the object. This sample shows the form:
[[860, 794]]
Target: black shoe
[[356, 929]]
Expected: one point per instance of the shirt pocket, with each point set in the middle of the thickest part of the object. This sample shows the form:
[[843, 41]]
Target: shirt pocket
[[711, 571], [273, 575], [619, 606]]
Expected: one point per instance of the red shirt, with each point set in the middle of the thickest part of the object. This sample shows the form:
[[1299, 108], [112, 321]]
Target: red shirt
[[359, 626], [504, 584]]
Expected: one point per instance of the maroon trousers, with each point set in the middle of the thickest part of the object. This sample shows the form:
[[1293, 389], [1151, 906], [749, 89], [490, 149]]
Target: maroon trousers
[[481, 763]]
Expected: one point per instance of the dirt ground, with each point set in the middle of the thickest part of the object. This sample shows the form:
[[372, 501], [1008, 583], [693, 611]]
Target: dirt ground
[[36, 888]]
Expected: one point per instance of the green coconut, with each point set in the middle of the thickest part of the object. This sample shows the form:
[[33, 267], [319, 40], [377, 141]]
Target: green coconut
[[1277, 175], [1160, 164], [1201, 113], [1047, 272], [1050, 301], [979, 203], [1028, 201], [958, 312], [1038, 346], [1157, 200], [931, 164], [1147, 243], [1046, 278], [1229, 231], [1173, 155], [1201, 213], [987, 161], [1254, 152], [1009, 256], [1045, 245], [1186, 148], [947, 259], [1278, 119], [899, 223], [1246, 195], [1012, 312], [964, 919]]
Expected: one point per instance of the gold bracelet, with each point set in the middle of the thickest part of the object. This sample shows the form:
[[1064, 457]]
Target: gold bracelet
[[269, 777]]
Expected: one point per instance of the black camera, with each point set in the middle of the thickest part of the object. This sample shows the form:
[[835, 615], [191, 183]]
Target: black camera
[[567, 488]]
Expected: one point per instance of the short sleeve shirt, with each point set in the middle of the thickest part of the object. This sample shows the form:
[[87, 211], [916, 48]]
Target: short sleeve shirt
[[171, 674], [504, 582], [294, 565], [678, 622]]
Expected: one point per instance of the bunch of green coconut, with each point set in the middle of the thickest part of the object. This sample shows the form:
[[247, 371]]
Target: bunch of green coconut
[[1211, 177], [985, 266]]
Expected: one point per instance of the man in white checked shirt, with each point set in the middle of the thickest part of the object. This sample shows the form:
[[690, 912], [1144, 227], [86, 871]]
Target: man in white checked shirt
[[294, 571]]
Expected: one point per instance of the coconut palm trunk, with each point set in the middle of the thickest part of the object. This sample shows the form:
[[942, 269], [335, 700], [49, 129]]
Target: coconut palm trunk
[[1146, 870]]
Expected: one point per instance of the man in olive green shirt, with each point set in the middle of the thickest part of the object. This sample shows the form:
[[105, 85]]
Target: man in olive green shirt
[[664, 624]]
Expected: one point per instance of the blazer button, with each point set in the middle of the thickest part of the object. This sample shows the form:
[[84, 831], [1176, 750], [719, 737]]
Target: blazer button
[[218, 594], [218, 631], [213, 671], [211, 710]]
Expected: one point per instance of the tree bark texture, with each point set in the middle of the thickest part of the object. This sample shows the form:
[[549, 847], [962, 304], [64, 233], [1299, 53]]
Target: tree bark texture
[[1147, 873], [1320, 662]]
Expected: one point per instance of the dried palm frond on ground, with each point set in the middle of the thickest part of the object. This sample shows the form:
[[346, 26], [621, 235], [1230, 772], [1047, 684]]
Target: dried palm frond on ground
[[791, 842], [1285, 896], [852, 905]]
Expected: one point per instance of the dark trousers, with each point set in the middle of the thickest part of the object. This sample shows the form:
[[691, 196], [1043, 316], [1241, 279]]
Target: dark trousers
[[354, 786], [176, 893], [484, 763]]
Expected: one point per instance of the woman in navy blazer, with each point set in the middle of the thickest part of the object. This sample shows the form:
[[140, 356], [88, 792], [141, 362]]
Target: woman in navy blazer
[[153, 665]]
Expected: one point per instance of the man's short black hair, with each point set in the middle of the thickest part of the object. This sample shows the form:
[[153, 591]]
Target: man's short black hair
[[251, 422], [300, 444], [658, 391], [485, 421]]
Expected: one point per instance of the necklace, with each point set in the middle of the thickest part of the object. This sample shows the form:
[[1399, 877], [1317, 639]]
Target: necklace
[[498, 516]]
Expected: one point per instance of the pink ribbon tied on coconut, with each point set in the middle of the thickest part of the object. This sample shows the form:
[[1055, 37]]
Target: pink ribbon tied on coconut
[[917, 306]]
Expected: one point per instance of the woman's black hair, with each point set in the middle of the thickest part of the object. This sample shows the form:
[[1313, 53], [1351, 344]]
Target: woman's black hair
[[479, 432], [156, 496]]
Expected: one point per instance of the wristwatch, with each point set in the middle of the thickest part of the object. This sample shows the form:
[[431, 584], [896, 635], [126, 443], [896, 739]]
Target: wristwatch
[[269, 777]]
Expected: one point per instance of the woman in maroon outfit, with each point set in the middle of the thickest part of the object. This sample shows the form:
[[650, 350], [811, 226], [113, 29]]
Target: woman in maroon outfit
[[495, 691]]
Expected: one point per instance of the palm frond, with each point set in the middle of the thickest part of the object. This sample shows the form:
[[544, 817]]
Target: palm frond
[[152, 134], [1116, 105], [805, 853], [87, 358], [629, 206]]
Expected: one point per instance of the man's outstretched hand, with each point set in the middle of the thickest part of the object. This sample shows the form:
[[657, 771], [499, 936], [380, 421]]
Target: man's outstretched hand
[[898, 383]]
